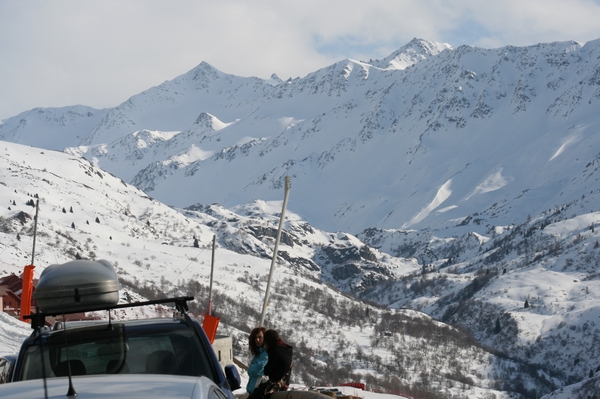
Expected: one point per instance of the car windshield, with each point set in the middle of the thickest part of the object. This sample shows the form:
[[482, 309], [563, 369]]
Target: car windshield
[[173, 349]]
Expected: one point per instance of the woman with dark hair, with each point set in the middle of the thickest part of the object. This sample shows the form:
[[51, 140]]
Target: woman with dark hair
[[259, 359], [278, 367]]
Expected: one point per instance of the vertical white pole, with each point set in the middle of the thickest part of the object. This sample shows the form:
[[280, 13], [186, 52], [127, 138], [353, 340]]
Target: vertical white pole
[[212, 270], [37, 209], [288, 185]]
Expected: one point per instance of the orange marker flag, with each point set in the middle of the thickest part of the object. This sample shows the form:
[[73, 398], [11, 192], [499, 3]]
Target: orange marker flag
[[26, 292]]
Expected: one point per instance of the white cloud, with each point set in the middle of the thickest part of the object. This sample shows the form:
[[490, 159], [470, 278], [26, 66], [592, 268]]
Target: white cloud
[[99, 53]]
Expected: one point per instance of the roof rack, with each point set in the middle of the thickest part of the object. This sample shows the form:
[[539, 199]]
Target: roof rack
[[38, 319]]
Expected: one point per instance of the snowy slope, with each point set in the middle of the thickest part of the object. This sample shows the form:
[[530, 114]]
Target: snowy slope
[[87, 212], [12, 334], [52, 128]]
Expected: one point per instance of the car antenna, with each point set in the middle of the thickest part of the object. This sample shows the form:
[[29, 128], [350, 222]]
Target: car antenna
[[39, 336], [71, 392]]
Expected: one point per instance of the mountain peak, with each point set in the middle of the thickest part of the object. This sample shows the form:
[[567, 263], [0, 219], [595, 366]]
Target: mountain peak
[[204, 119], [209, 122], [274, 80], [414, 51], [205, 72], [426, 46]]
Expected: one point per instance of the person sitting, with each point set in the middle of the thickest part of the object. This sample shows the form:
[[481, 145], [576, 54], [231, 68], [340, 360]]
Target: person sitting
[[259, 359], [278, 367]]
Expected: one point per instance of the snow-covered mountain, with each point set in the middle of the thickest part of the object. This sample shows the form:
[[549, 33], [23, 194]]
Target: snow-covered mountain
[[460, 182], [429, 136], [86, 212]]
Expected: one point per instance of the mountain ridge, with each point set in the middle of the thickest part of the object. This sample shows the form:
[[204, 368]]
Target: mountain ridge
[[431, 112], [403, 121]]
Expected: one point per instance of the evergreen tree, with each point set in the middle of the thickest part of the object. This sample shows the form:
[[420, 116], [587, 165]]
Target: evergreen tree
[[71, 209], [526, 303], [64, 210], [97, 219], [196, 243], [498, 326], [73, 225]]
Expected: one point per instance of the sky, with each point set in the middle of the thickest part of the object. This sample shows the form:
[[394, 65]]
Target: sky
[[100, 53]]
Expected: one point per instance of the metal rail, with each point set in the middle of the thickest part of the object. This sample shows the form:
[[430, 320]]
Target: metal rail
[[38, 319]]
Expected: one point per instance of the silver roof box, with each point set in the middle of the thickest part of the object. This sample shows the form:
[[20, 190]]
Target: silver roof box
[[77, 286]]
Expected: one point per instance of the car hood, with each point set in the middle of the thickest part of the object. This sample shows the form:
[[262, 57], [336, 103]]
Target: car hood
[[130, 386]]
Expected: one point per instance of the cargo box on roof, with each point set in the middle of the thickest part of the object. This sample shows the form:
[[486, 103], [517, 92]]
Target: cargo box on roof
[[77, 286]]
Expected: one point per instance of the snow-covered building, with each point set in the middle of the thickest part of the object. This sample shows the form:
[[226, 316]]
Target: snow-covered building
[[10, 294]]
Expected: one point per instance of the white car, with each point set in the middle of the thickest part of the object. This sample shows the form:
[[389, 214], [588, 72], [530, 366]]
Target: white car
[[115, 386]]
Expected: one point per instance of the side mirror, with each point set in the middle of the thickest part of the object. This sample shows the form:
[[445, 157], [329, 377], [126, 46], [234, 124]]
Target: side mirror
[[233, 377]]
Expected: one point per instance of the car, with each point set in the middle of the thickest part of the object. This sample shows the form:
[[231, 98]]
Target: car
[[115, 386], [7, 364], [174, 346]]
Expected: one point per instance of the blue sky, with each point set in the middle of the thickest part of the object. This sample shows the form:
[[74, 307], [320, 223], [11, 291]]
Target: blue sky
[[101, 52]]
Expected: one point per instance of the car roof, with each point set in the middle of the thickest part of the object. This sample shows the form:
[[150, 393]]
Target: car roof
[[114, 386]]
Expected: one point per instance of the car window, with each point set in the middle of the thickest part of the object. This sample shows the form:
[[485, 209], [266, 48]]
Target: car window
[[5, 370], [167, 350], [82, 351], [216, 394], [2, 371]]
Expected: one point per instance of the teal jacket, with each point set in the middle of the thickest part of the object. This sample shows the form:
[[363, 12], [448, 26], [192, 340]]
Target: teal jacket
[[256, 369]]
